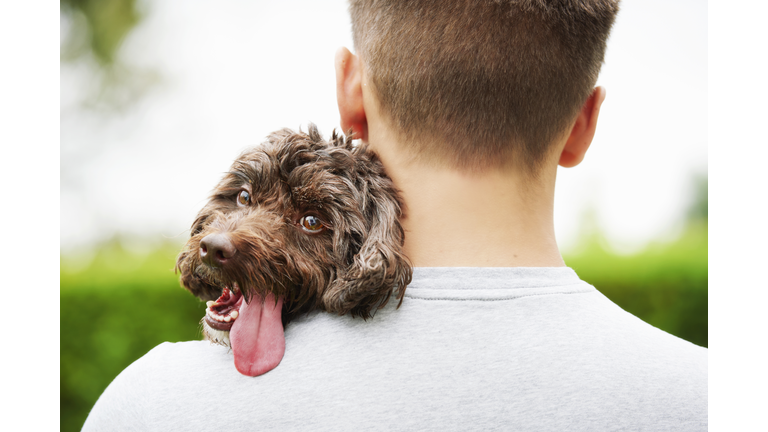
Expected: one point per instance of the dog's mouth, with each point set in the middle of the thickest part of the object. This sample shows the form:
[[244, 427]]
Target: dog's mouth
[[253, 329], [222, 312]]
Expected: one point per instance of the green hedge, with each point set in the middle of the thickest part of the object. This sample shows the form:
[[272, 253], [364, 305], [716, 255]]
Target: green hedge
[[666, 285], [112, 313], [123, 304]]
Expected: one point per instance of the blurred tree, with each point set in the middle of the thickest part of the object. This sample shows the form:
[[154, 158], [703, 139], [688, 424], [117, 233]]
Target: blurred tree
[[101, 24], [101, 90], [93, 32], [699, 209]]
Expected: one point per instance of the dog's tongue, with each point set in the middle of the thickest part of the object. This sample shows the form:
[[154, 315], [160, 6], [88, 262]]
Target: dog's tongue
[[256, 337]]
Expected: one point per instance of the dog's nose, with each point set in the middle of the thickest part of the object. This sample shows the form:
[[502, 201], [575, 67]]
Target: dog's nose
[[216, 249]]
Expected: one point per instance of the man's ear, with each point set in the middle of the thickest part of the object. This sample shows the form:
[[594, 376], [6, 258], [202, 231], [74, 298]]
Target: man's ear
[[349, 93], [583, 130]]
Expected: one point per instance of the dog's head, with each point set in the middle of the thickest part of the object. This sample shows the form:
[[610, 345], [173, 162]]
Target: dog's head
[[315, 223]]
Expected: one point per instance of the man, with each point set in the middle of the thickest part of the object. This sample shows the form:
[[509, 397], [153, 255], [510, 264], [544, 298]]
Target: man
[[471, 106]]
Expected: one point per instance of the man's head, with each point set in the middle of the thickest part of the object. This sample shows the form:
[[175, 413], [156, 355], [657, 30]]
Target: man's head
[[474, 84]]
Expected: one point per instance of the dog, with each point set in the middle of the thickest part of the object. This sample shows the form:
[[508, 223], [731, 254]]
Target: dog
[[297, 224]]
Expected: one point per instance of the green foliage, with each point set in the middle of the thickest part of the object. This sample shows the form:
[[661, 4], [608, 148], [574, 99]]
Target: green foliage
[[94, 31], [666, 285], [123, 304], [699, 210], [100, 26], [112, 313]]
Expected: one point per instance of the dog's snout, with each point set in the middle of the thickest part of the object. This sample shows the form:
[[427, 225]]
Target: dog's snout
[[216, 249]]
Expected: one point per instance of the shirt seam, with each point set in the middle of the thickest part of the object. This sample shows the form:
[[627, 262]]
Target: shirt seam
[[506, 288], [584, 291]]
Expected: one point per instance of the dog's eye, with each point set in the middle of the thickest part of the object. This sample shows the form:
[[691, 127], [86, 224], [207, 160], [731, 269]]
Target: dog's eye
[[311, 224], [243, 198]]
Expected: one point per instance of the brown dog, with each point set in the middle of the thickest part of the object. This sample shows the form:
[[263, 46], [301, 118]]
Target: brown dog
[[297, 224]]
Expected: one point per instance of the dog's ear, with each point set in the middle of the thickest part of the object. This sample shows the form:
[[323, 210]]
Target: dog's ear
[[379, 268]]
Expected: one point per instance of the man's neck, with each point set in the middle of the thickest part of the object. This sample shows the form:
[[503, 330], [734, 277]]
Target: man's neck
[[496, 218]]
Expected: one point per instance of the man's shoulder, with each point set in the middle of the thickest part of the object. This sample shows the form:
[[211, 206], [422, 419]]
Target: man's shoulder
[[166, 361], [138, 397]]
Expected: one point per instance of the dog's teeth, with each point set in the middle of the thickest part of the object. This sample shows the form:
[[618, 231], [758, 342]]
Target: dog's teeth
[[228, 318], [210, 303]]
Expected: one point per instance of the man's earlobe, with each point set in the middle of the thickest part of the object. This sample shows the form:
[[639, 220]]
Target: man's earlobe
[[583, 130], [349, 93]]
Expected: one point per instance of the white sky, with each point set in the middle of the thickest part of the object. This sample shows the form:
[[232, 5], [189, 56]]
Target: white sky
[[232, 72]]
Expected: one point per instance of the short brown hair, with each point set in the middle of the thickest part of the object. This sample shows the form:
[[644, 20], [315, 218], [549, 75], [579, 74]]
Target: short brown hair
[[494, 81]]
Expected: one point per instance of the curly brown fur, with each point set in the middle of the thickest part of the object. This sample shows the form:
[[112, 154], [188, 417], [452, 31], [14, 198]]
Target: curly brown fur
[[354, 265]]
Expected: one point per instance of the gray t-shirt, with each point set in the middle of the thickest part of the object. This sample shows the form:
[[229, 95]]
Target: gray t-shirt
[[520, 349]]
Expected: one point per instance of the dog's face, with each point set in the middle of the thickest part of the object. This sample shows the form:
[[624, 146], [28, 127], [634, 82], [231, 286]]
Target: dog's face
[[314, 223]]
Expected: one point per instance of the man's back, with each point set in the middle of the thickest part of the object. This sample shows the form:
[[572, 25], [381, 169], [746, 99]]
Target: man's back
[[469, 349]]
